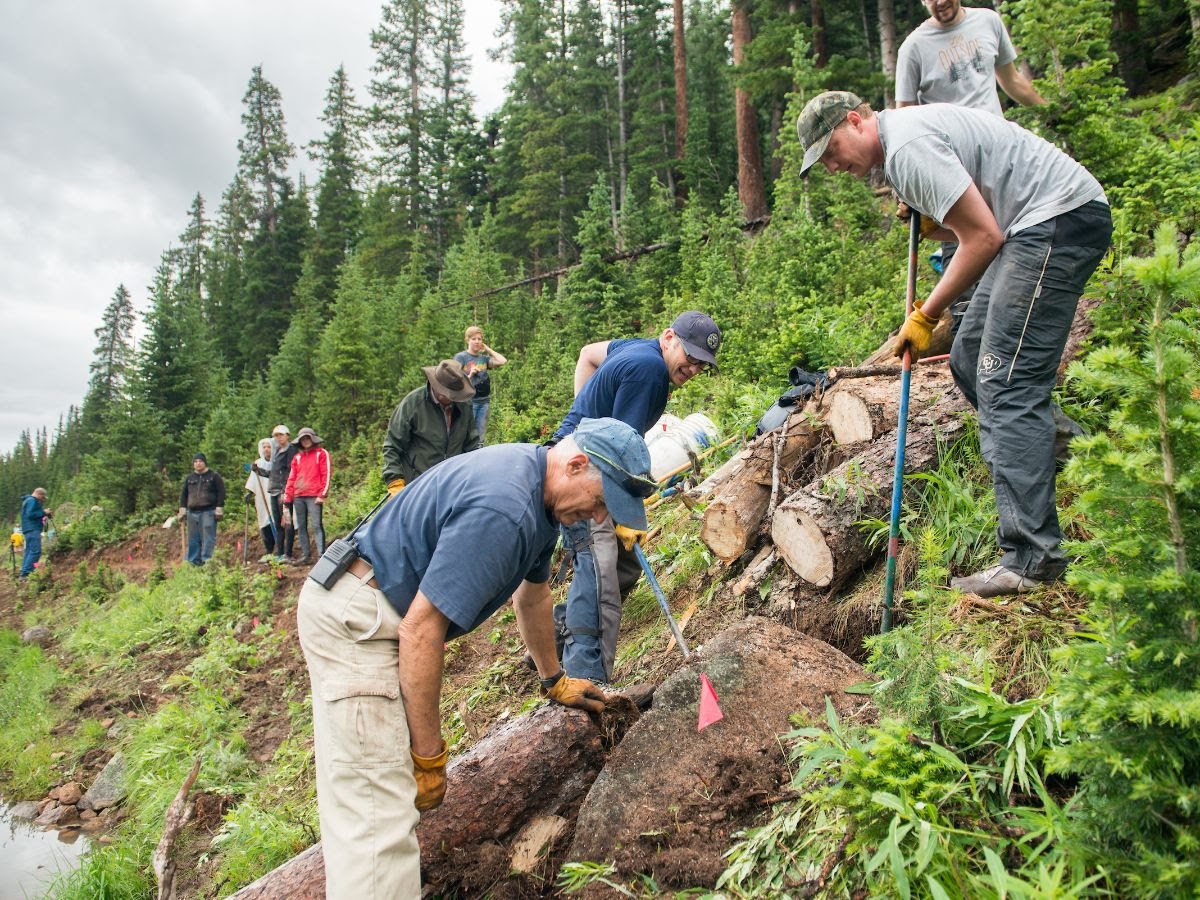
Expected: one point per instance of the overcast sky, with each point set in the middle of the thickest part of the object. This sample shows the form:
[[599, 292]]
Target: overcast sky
[[113, 115]]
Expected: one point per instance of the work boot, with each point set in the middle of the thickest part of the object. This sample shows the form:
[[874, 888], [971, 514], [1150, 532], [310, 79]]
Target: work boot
[[995, 582]]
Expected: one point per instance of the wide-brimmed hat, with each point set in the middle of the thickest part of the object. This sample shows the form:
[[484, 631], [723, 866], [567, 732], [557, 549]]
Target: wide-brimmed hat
[[449, 379], [307, 433], [820, 116], [620, 454]]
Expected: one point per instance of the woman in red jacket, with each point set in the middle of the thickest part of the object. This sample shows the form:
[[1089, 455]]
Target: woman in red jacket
[[307, 488]]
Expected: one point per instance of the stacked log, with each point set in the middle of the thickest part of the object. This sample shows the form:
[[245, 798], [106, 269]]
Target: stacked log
[[816, 529]]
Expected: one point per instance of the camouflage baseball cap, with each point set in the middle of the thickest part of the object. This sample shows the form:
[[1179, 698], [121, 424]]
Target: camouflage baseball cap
[[821, 115]]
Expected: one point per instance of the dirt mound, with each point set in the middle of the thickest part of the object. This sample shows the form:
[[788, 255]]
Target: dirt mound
[[669, 798]]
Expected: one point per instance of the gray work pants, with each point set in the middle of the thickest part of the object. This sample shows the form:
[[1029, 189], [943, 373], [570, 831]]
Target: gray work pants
[[605, 573], [1005, 359], [304, 511]]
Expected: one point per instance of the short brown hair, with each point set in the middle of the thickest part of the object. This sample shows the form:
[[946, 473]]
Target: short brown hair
[[471, 331]]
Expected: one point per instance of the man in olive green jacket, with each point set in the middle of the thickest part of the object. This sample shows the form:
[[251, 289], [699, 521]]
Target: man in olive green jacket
[[431, 424]]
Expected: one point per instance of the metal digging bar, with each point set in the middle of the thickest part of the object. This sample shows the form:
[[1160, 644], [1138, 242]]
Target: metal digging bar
[[910, 296], [662, 600]]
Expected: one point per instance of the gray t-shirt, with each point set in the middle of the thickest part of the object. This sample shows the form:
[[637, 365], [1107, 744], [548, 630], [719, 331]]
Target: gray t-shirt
[[933, 153], [956, 64], [465, 533]]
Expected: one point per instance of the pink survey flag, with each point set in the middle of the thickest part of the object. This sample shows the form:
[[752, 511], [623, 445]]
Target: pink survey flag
[[710, 712], [239, 545]]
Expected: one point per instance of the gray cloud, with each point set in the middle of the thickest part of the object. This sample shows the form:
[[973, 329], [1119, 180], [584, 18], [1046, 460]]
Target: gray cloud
[[115, 115]]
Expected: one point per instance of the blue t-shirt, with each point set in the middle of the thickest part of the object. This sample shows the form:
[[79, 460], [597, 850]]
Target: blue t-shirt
[[466, 533], [632, 385]]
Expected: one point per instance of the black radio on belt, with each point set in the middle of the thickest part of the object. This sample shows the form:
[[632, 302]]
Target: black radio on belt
[[334, 562], [341, 554]]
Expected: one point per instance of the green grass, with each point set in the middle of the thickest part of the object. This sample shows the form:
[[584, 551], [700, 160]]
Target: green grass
[[27, 681]]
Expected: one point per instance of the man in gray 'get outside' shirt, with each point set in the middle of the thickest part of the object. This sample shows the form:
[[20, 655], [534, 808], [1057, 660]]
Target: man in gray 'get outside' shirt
[[956, 56], [1032, 225]]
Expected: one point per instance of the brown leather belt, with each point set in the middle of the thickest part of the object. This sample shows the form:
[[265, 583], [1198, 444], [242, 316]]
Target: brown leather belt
[[361, 569]]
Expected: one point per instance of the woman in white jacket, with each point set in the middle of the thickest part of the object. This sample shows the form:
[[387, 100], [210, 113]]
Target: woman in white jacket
[[257, 484]]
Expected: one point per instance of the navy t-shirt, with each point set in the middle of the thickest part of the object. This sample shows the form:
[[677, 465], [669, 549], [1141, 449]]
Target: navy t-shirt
[[632, 385], [466, 533]]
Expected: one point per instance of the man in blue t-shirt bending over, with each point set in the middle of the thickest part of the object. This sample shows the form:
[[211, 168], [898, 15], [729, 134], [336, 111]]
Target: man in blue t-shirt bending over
[[629, 380], [374, 639]]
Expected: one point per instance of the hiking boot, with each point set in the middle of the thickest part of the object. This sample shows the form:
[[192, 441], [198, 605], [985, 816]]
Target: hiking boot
[[995, 582]]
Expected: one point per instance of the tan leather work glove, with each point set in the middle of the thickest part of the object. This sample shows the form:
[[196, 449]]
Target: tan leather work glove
[[904, 213], [577, 692], [395, 486], [629, 536], [430, 772], [916, 334]]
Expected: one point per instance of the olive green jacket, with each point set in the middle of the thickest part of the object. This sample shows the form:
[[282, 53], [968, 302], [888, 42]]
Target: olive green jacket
[[417, 437]]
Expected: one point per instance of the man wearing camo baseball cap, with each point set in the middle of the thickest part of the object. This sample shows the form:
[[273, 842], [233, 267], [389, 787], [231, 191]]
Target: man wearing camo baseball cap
[[1032, 225]]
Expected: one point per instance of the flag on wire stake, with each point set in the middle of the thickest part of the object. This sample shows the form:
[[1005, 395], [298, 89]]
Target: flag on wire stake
[[710, 712]]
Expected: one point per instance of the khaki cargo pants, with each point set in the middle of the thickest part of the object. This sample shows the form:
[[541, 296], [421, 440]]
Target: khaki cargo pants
[[366, 792]]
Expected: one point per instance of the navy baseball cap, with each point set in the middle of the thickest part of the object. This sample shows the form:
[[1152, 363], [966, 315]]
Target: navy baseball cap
[[620, 454], [700, 336]]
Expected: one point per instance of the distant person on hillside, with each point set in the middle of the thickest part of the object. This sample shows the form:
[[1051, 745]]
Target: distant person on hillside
[[477, 360], [1032, 224], [432, 423], [281, 466], [306, 490], [258, 484], [630, 380], [33, 517], [202, 502], [435, 563]]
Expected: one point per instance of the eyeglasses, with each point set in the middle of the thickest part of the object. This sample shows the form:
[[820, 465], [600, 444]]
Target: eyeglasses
[[692, 361], [638, 485]]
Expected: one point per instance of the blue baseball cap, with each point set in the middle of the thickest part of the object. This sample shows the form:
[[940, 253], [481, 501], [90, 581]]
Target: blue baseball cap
[[620, 454], [700, 336]]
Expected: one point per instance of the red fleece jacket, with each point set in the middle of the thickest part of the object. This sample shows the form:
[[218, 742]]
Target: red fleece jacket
[[309, 475]]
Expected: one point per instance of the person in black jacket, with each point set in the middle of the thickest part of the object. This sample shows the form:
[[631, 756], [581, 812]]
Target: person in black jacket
[[202, 501]]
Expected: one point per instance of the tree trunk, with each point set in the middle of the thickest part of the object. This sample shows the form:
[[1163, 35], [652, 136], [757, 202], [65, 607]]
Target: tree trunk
[[681, 99], [751, 190], [888, 47], [864, 408], [538, 764], [868, 44], [1130, 52], [816, 530], [820, 47], [622, 164]]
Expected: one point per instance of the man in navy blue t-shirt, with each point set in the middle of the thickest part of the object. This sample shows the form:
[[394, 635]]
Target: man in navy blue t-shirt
[[629, 380], [438, 559]]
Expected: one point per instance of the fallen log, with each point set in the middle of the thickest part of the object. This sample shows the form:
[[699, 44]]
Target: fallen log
[[733, 518], [865, 408], [539, 764], [815, 530]]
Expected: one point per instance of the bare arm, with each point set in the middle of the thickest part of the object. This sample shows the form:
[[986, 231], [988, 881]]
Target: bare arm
[[497, 359], [979, 240], [1017, 86], [533, 605], [422, 634], [590, 358]]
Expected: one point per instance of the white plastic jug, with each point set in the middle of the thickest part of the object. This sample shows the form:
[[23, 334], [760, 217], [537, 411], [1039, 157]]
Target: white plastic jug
[[672, 442]]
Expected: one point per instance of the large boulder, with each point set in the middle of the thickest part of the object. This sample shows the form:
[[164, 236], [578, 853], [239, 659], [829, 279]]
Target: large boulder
[[26, 810], [669, 798], [109, 787], [38, 635]]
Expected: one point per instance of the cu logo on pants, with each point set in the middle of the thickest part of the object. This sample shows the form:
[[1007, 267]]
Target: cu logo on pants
[[989, 363]]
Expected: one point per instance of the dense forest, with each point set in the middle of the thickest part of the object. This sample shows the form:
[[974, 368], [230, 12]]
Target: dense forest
[[646, 161], [626, 125]]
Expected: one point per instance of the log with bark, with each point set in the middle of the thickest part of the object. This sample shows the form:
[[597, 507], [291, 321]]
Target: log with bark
[[864, 408], [539, 764], [816, 529], [734, 515]]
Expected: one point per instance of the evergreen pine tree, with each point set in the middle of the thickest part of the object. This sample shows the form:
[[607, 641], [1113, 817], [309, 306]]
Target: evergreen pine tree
[[264, 148], [113, 357]]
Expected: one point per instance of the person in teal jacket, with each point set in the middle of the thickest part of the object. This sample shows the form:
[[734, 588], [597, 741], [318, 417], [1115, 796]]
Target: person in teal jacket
[[33, 514]]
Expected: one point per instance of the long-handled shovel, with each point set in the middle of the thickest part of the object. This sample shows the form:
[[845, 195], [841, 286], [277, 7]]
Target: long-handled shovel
[[910, 296]]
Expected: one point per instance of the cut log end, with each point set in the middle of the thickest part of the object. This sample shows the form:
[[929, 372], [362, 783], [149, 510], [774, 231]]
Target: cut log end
[[849, 419], [799, 539]]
